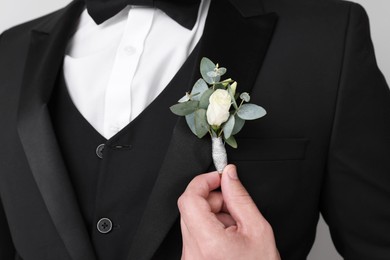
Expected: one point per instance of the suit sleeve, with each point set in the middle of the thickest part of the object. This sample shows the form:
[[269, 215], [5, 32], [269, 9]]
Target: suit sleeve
[[356, 191]]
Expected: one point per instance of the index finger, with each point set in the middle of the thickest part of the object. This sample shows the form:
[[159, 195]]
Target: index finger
[[203, 184], [195, 209]]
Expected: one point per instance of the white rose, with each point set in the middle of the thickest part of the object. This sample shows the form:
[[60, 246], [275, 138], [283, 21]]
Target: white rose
[[218, 110]]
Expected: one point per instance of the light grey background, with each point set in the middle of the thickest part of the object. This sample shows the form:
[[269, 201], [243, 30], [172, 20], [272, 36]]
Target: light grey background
[[18, 11]]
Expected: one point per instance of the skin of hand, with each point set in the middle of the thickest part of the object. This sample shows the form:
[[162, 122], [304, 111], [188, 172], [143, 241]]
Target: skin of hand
[[224, 224]]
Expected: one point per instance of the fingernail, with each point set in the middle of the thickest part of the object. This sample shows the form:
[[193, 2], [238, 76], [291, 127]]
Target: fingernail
[[231, 171]]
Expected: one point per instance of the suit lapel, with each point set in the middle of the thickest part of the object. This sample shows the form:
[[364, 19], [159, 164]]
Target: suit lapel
[[48, 43], [236, 36]]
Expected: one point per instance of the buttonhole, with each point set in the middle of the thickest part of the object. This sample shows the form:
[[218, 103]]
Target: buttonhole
[[122, 147]]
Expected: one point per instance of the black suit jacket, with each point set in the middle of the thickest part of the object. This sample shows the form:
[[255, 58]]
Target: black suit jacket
[[323, 147]]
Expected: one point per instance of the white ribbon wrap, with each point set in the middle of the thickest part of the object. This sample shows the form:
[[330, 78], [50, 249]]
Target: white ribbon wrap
[[219, 153]]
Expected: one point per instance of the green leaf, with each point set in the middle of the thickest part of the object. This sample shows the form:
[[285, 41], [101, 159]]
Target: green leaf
[[239, 124], [228, 127], [231, 93], [186, 108], [227, 82], [217, 72], [213, 74], [186, 98], [232, 142], [204, 100], [245, 96], [199, 88], [201, 125], [190, 119], [251, 112], [222, 71], [206, 66]]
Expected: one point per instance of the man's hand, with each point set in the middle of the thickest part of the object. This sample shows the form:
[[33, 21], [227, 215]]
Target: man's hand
[[223, 225]]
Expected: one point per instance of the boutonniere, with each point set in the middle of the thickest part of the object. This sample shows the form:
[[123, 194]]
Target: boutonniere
[[215, 107]]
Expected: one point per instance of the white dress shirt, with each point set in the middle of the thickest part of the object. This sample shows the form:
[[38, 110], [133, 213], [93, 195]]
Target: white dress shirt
[[113, 71]]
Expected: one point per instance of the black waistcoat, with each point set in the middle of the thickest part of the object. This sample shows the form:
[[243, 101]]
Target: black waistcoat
[[117, 186]]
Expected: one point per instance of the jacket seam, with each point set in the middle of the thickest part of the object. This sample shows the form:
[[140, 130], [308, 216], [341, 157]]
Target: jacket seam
[[339, 87]]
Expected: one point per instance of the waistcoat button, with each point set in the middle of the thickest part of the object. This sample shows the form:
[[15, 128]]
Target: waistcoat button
[[99, 151], [104, 225]]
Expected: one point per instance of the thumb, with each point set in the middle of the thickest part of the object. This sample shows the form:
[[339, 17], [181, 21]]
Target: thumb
[[238, 201]]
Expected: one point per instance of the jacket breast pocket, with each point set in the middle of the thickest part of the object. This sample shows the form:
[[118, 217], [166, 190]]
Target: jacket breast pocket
[[271, 169], [251, 149]]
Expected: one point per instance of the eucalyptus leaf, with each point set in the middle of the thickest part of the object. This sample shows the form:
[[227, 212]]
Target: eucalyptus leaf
[[185, 98], [201, 125], [231, 141], [251, 112], [238, 125], [217, 72], [216, 79], [213, 74], [199, 88], [228, 127], [245, 96], [222, 71], [186, 108], [190, 119], [206, 66], [204, 99]]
